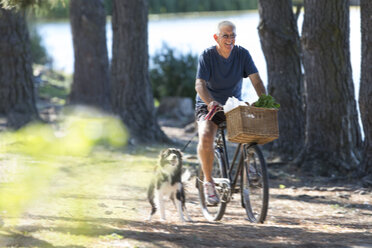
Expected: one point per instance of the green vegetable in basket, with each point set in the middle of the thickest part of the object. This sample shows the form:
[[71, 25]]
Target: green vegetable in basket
[[266, 101]]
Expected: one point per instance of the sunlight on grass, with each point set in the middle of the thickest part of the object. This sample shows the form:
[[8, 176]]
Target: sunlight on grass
[[71, 184], [40, 148]]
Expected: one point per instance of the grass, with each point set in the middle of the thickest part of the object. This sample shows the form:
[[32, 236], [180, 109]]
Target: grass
[[83, 202], [74, 186]]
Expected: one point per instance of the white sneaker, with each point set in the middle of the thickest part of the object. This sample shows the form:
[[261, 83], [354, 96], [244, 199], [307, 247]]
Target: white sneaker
[[210, 194]]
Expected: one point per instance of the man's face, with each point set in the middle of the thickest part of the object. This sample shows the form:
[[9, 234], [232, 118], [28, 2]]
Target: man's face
[[226, 38]]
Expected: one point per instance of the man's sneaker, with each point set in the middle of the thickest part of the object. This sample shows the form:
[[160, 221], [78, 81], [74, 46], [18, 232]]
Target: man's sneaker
[[210, 194]]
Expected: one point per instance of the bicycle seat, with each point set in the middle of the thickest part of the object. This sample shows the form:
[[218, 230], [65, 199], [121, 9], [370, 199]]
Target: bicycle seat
[[222, 125]]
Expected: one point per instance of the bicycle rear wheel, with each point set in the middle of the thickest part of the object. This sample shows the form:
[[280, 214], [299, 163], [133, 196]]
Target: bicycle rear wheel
[[215, 212], [254, 184]]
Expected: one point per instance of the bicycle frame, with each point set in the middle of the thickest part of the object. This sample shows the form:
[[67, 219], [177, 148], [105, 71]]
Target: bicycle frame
[[221, 143]]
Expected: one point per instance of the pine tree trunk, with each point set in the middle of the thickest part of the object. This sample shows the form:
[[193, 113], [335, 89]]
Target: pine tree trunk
[[91, 85], [281, 46], [17, 96], [332, 131], [365, 93], [132, 96]]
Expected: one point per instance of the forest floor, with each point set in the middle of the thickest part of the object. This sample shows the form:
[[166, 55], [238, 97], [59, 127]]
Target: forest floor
[[99, 200]]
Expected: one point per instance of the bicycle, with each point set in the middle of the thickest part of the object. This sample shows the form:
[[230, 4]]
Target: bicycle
[[252, 172]]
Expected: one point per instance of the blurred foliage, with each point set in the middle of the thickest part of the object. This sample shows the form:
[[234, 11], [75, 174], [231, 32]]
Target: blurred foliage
[[37, 151], [53, 86], [38, 51], [173, 74], [50, 9], [9, 4], [21, 4], [172, 6], [55, 9]]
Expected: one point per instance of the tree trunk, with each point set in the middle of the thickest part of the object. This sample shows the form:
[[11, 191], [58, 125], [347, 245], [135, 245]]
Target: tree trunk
[[91, 85], [17, 96], [332, 131], [132, 96], [365, 93], [281, 46]]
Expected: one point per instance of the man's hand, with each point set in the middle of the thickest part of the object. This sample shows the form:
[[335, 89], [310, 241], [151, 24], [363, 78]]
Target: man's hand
[[212, 104]]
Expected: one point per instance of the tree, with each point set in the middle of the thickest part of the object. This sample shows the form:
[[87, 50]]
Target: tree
[[280, 43], [91, 84], [333, 136], [132, 95], [365, 93], [17, 96]]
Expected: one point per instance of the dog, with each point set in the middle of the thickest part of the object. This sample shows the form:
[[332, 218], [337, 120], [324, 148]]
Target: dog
[[167, 182]]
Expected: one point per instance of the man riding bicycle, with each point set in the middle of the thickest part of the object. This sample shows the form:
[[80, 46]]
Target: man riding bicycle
[[220, 73]]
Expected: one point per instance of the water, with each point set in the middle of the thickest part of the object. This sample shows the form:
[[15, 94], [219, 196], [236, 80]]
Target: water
[[193, 34]]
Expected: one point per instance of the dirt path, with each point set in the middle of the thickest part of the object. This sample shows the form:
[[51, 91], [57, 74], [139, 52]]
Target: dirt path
[[100, 201], [303, 212]]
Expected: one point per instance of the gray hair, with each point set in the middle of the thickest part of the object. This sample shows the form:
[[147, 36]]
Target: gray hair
[[223, 24]]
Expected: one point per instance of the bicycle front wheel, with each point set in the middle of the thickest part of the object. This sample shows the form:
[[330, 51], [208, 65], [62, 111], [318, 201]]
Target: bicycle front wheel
[[254, 184], [214, 212]]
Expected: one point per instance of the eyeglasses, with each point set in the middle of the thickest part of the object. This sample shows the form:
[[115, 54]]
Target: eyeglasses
[[231, 36]]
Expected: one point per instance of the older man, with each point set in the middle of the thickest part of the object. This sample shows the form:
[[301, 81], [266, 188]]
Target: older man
[[220, 73]]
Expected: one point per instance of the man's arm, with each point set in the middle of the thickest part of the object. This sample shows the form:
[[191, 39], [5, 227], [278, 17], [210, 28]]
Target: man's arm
[[201, 89], [257, 84]]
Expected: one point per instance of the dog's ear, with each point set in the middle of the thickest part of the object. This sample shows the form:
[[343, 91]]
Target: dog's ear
[[178, 154], [162, 156]]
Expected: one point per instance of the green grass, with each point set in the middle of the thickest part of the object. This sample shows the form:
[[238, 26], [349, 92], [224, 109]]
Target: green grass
[[74, 187]]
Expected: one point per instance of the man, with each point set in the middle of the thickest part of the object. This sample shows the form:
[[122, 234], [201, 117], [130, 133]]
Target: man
[[219, 76]]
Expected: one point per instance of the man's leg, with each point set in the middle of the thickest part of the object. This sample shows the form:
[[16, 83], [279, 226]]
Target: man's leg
[[207, 131]]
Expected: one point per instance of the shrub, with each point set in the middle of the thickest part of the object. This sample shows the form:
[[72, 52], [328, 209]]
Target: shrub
[[38, 51], [173, 75]]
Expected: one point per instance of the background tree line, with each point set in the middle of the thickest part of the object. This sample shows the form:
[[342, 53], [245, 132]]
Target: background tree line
[[318, 117], [59, 9]]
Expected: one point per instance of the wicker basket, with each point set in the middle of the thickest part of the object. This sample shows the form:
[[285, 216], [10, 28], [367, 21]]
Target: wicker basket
[[246, 124]]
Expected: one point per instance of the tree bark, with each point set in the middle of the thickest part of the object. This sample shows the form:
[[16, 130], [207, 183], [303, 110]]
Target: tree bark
[[91, 83], [332, 131], [365, 92], [280, 43], [132, 96], [17, 96]]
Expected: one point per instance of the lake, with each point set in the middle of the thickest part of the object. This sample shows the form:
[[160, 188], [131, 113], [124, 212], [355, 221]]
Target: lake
[[193, 33]]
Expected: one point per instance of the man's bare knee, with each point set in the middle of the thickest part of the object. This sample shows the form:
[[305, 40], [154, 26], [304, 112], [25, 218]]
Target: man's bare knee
[[206, 134], [206, 141]]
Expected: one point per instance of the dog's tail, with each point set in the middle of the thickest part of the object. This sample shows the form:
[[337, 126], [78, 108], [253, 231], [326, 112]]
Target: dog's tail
[[185, 176]]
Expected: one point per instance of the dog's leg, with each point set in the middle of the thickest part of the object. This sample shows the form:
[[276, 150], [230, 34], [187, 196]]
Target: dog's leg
[[150, 198], [180, 201], [172, 199], [182, 198], [161, 205], [179, 209], [185, 211]]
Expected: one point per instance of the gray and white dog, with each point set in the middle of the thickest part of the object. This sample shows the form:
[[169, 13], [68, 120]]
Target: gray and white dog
[[167, 182]]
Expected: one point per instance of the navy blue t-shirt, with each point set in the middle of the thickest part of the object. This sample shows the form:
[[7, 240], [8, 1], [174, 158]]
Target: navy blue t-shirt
[[224, 77]]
